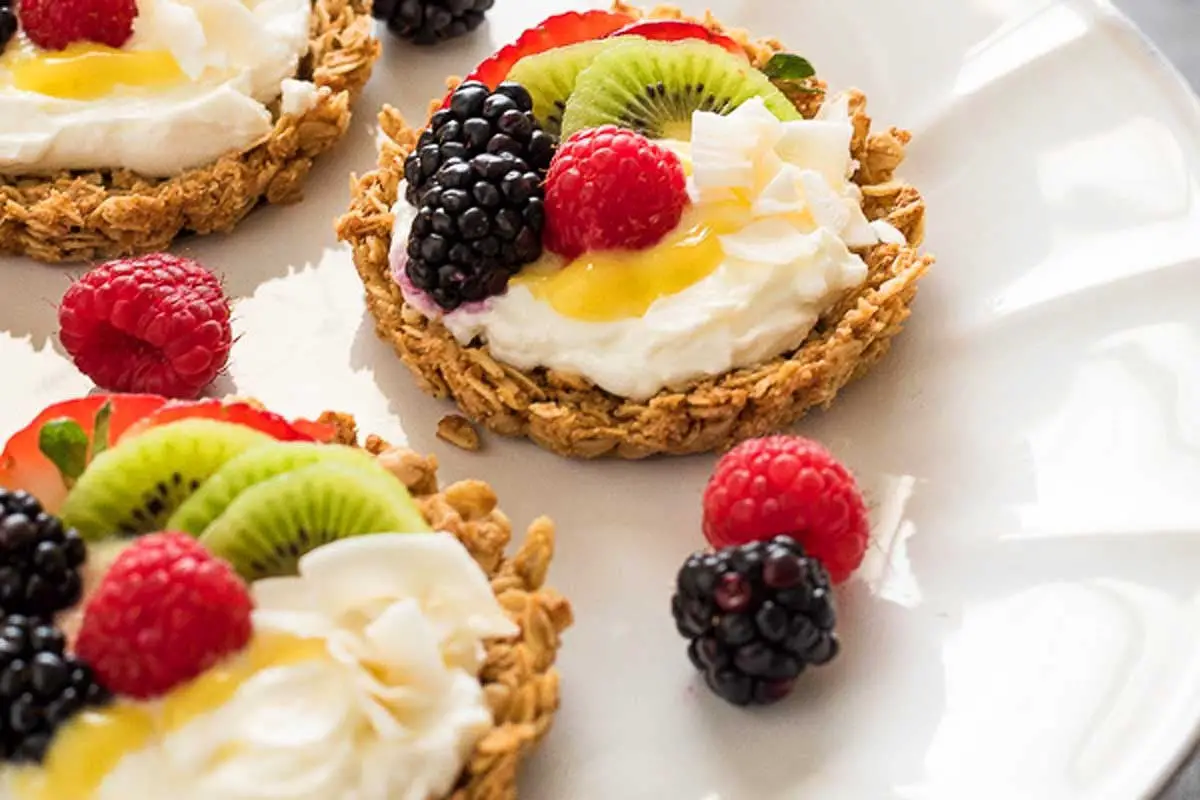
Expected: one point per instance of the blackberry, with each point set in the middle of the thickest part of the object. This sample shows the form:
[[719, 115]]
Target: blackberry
[[478, 120], [40, 560], [8, 23], [756, 616], [41, 686], [431, 21], [479, 222]]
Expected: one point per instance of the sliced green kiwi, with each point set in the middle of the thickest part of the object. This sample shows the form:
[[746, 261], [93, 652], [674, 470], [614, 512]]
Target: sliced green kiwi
[[268, 527], [654, 87], [550, 78], [253, 467], [135, 487]]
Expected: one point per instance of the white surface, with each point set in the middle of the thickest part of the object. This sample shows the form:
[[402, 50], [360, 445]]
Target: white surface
[[1031, 450]]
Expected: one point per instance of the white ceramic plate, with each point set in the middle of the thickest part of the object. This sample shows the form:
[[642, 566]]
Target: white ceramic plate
[[1026, 627]]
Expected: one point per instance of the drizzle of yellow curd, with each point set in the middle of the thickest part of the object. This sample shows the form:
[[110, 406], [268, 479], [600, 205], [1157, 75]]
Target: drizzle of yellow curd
[[88, 71], [92, 744], [611, 285]]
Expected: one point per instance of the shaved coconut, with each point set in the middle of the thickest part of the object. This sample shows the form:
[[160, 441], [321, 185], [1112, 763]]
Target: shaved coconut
[[775, 242], [821, 146], [827, 207]]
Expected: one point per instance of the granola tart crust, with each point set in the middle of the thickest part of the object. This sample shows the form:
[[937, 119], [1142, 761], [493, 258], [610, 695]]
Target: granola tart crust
[[569, 415], [83, 216], [520, 683]]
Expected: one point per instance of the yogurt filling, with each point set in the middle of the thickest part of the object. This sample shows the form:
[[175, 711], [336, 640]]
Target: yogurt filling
[[788, 259], [236, 58]]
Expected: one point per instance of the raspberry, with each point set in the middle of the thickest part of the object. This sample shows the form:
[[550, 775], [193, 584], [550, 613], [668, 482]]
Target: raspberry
[[790, 486], [755, 616], [55, 24], [157, 324], [165, 612], [610, 188]]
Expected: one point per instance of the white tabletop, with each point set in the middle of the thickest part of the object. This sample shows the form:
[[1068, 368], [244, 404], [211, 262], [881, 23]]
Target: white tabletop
[[1174, 26]]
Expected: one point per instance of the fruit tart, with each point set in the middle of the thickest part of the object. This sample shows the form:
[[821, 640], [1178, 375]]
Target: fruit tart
[[635, 233], [127, 123], [204, 599]]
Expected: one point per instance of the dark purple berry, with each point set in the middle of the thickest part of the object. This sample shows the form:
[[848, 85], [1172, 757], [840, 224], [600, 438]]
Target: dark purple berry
[[768, 692], [467, 101], [41, 560], [496, 106], [755, 616], [731, 685], [736, 629], [772, 621], [427, 22], [783, 570], [49, 674], [734, 593], [517, 93], [8, 26]]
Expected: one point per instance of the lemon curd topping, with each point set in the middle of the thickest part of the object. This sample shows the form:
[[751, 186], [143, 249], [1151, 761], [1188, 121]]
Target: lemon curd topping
[[88, 748], [620, 284], [614, 285], [623, 284], [88, 71]]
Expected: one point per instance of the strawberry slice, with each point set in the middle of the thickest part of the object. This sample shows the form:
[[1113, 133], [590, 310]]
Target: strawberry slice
[[268, 422], [317, 431], [24, 466], [559, 30], [674, 30], [67, 431]]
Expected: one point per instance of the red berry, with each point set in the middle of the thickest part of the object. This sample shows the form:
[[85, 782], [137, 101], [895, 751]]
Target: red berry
[[556, 31], [609, 188], [674, 30], [156, 324], [244, 414], [165, 612], [24, 466], [790, 486], [55, 24]]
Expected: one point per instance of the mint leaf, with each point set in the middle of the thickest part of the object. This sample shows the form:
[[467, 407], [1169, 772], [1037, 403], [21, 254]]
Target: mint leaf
[[788, 67], [64, 442], [100, 429]]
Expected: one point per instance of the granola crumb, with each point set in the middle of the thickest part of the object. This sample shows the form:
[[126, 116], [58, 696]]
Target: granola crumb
[[458, 431]]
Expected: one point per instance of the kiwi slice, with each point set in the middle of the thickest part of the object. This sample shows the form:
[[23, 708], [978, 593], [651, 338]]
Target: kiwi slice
[[550, 78], [268, 527], [253, 467], [654, 87], [135, 487]]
